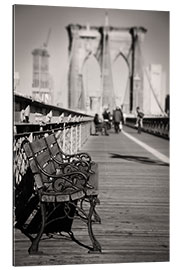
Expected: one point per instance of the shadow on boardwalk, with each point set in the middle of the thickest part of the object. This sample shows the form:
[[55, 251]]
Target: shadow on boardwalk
[[134, 195], [139, 159]]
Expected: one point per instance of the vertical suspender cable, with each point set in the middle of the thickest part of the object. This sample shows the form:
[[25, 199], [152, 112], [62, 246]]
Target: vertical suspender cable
[[149, 80]]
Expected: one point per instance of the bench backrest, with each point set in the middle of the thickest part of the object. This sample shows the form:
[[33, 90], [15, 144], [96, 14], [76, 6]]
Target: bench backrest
[[54, 148], [39, 157], [56, 152], [41, 154]]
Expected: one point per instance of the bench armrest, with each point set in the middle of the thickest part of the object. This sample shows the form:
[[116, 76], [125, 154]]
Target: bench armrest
[[77, 164], [62, 175], [69, 177], [80, 156]]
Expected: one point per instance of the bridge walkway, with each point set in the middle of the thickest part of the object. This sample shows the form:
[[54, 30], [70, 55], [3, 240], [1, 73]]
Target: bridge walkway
[[134, 208]]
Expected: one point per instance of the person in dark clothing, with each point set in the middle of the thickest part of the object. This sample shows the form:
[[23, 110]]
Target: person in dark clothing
[[117, 119], [139, 122], [106, 115], [97, 123], [96, 119], [106, 118]]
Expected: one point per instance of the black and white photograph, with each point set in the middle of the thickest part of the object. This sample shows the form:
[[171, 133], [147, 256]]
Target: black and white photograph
[[91, 135]]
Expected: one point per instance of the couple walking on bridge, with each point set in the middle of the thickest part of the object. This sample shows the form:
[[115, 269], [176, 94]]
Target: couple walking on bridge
[[116, 118]]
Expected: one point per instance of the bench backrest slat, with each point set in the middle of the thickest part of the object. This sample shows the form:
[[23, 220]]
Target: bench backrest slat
[[50, 139], [43, 158], [38, 145], [54, 150], [54, 147], [39, 156], [38, 180], [33, 166], [28, 150], [49, 169]]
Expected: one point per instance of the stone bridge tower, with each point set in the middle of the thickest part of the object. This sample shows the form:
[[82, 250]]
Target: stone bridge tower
[[106, 44]]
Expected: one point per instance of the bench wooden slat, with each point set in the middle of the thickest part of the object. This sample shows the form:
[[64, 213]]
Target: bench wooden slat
[[28, 150], [38, 145], [34, 225], [59, 159], [26, 211], [55, 150], [62, 198], [48, 198], [43, 158], [38, 181], [77, 195], [49, 169], [50, 139], [54, 147], [33, 166]]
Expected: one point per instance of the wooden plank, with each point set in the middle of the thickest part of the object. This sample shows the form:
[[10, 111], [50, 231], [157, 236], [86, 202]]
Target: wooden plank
[[54, 150], [50, 168], [43, 158], [28, 150], [50, 139], [38, 145]]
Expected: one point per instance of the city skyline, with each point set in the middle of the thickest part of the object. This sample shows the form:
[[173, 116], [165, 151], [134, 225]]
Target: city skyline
[[32, 24]]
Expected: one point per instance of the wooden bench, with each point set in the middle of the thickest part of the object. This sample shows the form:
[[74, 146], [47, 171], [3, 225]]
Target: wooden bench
[[53, 192]]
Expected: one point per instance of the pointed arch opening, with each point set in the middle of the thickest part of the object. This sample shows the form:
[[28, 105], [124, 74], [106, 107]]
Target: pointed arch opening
[[91, 78], [120, 71]]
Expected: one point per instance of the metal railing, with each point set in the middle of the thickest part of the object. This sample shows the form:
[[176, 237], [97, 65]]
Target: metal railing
[[34, 119], [154, 125], [70, 136]]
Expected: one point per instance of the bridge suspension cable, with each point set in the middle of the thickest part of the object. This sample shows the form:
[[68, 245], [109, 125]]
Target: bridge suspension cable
[[125, 92], [149, 79]]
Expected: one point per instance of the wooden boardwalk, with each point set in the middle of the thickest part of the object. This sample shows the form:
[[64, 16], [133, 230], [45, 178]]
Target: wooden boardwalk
[[134, 195]]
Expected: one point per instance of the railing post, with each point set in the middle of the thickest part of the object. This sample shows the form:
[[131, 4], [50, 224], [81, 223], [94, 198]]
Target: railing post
[[64, 136], [80, 130], [76, 135], [71, 139]]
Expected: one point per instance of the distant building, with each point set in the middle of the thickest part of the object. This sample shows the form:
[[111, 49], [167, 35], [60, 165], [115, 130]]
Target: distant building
[[41, 85], [154, 90]]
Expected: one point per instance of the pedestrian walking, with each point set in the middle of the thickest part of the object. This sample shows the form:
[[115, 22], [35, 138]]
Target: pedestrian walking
[[106, 121], [139, 121], [118, 119]]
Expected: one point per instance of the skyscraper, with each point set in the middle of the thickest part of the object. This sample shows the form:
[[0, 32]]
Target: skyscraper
[[41, 78]]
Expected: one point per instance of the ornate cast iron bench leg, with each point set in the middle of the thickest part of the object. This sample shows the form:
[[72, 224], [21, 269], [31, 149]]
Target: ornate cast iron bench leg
[[96, 246], [97, 218], [33, 250]]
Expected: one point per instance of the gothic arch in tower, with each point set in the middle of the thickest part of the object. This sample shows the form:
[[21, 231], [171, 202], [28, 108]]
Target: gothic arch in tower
[[105, 43], [121, 75], [91, 77]]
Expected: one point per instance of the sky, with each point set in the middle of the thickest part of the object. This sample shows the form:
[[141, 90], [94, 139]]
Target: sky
[[32, 23]]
